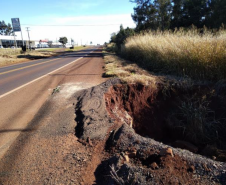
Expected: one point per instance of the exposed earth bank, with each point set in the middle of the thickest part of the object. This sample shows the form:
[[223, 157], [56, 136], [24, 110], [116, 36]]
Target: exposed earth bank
[[100, 135], [113, 112]]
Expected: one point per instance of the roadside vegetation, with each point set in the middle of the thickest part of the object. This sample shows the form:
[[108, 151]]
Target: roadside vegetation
[[194, 110], [186, 67], [127, 71], [14, 56], [181, 53]]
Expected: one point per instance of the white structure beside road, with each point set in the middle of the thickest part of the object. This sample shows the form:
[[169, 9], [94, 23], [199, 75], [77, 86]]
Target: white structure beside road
[[10, 41]]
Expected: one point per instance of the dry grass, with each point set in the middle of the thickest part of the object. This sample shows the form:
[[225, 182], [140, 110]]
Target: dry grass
[[127, 72], [180, 53], [14, 56], [193, 113]]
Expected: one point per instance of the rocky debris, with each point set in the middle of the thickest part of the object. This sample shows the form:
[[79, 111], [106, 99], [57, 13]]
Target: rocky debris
[[125, 157], [154, 166], [191, 169], [159, 163], [136, 159], [89, 141], [206, 168], [131, 153], [166, 151]]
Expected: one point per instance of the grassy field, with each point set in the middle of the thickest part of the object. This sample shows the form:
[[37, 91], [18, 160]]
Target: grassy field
[[187, 54], [14, 56]]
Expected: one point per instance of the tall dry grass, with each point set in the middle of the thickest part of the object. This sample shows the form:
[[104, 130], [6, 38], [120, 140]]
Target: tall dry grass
[[183, 53], [9, 52]]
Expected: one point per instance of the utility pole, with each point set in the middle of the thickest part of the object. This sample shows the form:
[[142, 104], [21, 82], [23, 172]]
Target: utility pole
[[28, 37], [15, 39], [22, 37]]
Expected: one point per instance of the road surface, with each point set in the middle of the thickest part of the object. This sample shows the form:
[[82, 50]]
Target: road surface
[[17, 75], [25, 87]]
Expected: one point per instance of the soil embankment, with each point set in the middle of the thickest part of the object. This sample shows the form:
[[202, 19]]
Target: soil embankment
[[112, 133], [106, 149], [132, 158]]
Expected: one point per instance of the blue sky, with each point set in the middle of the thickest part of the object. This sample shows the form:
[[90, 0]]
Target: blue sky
[[69, 12]]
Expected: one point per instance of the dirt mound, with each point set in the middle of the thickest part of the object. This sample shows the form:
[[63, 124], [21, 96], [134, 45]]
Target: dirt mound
[[91, 115], [126, 120], [140, 160]]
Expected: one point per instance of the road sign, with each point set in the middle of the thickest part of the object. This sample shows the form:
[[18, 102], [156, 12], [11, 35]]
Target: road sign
[[16, 24]]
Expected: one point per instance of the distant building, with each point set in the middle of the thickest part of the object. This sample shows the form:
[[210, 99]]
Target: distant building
[[47, 44], [8, 41]]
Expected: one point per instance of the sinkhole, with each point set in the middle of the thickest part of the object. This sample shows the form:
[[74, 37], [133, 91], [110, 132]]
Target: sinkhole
[[187, 118]]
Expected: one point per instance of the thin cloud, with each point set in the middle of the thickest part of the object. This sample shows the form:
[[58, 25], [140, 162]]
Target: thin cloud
[[72, 5], [94, 19], [84, 34]]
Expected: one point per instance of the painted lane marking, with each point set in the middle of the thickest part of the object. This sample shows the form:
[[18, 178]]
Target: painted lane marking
[[24, 63], [79, 51], [1, 96], [27, 66]]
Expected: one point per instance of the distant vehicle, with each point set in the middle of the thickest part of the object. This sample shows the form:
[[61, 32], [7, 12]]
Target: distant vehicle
[[42, 46], [1, 47]]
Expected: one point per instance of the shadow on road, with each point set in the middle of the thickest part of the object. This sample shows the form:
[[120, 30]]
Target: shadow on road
[[66, 54]]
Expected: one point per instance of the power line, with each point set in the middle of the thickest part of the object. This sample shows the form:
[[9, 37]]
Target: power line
[[71, 25]]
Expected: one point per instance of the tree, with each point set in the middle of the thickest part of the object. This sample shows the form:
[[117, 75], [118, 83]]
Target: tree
[[5, 29], [218, 16], [152, 14], [121, 36], [113, 37], [195, 13], [163, 11], [165, 14], [63, 40], [145, 15]]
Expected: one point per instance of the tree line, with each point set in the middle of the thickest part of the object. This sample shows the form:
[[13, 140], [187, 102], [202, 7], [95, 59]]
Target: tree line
[[5, 29], [171, 14]]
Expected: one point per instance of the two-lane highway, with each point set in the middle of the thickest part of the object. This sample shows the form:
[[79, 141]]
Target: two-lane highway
[[25, 87], [15, 76]]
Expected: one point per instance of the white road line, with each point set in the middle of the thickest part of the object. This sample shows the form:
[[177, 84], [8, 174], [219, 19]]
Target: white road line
[[42, 76], [24, 63], [52, 57], [37, 79]]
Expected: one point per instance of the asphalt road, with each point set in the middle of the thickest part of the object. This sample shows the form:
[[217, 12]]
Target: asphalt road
[[12, 77], [24, 88], [37, 128]]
